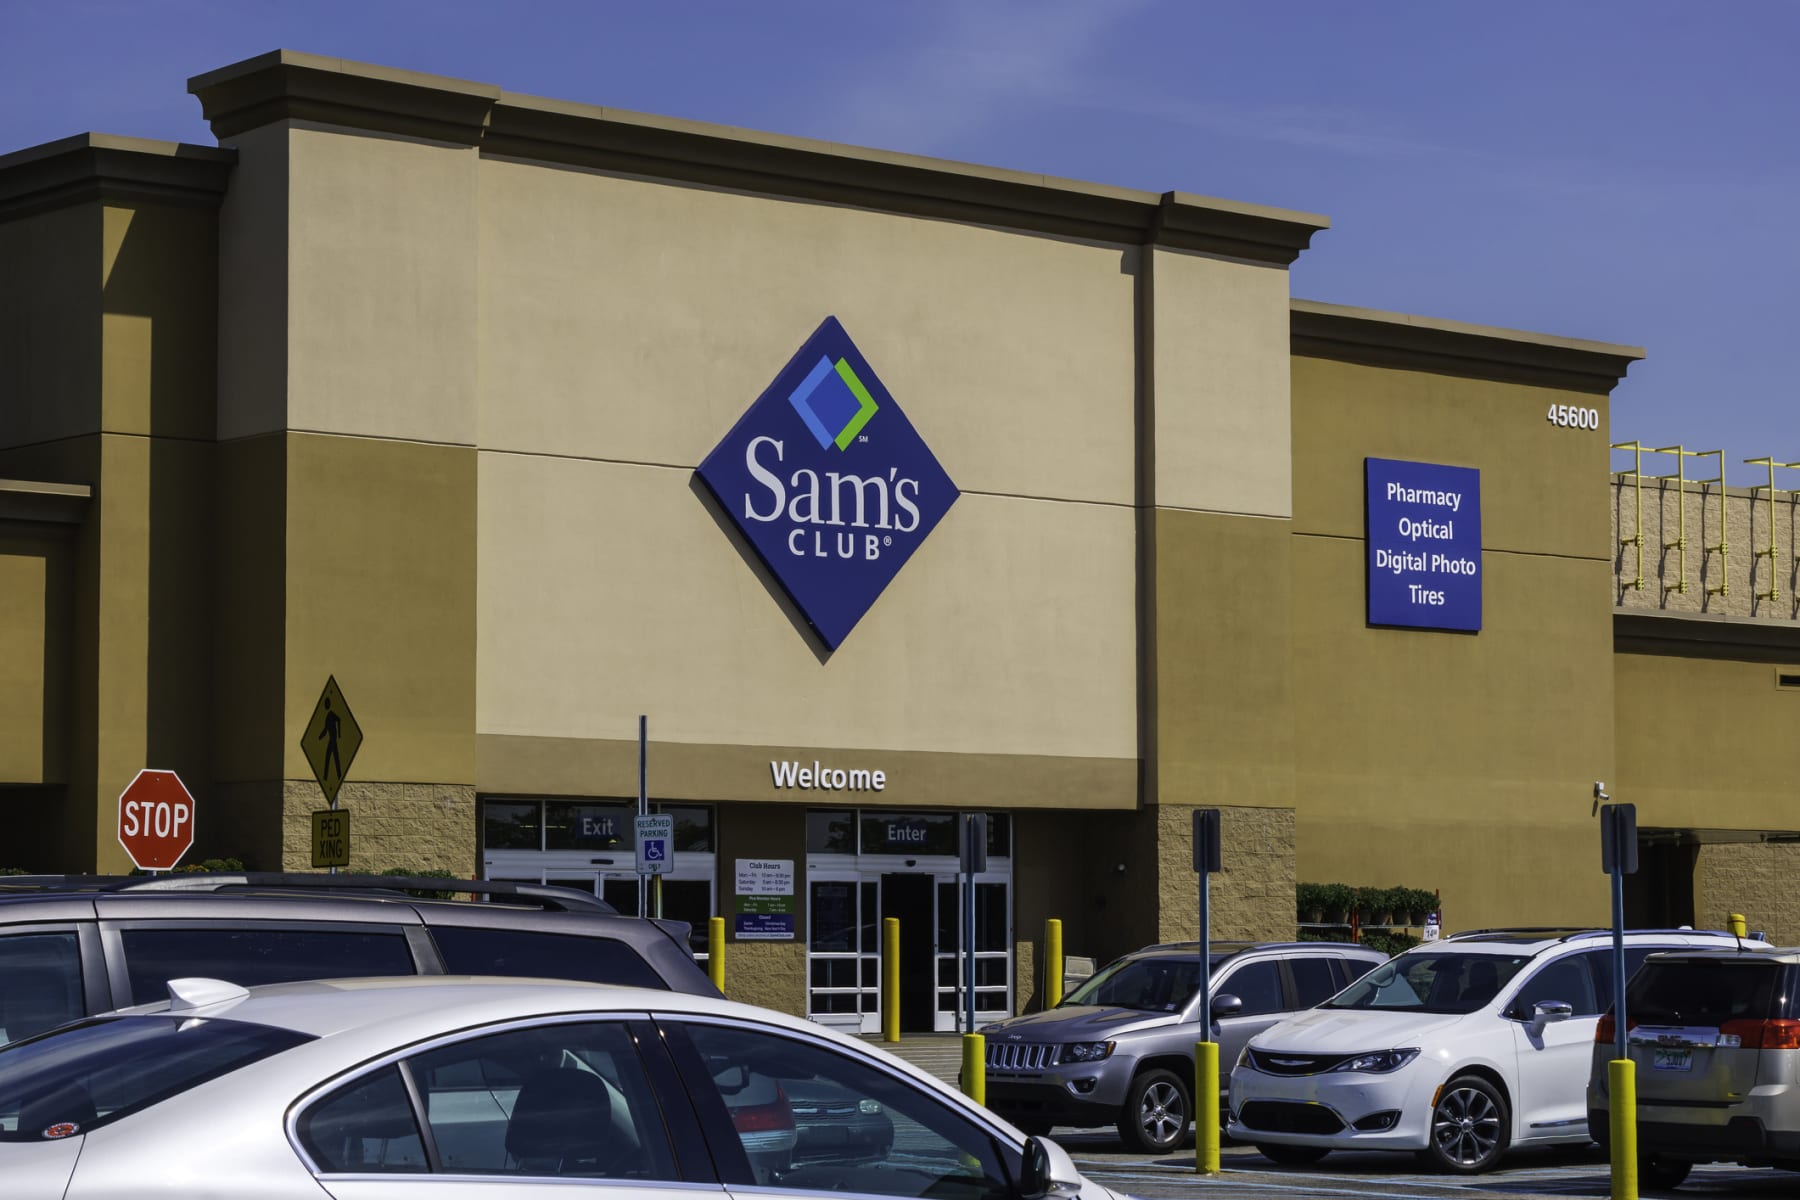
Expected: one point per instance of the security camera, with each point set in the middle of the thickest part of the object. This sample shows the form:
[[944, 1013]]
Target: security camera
[[1600, 790]]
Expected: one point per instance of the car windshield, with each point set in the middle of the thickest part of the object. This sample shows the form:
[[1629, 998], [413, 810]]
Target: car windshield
[[1449, 982], [80, 1077], [1153, 983]]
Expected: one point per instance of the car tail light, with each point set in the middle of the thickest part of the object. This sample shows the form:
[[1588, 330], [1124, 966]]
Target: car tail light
[[1608, 1029], [1774, 1034], [762, 1118]]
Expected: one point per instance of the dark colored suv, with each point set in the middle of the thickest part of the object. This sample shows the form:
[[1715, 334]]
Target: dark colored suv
[[1715, 1036], [71, 947]]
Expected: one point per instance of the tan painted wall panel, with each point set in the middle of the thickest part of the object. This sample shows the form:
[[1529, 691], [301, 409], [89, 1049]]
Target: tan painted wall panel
[[629, 320], [1536, 478], [1224, 681], [50, 325], [161, 277], [1707, 743], [610, 590], [1472, 756], [1221, 385], [253, 287], [35, 573], [381, 593], [382, 305]]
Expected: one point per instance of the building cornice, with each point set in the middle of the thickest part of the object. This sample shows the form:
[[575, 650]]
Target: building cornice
[[101, 167], [284, 85], [1700, 635], [54, 503], [1387, 339]]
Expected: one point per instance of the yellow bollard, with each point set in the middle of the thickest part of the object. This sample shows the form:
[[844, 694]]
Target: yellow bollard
[[1206, 1107], [1621, 1082], [974, 1067], [890, 979], [715, 951], [1739, 926], [1053, 963]]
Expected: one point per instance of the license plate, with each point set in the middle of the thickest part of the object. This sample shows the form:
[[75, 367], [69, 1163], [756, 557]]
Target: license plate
[[1672, 1060]]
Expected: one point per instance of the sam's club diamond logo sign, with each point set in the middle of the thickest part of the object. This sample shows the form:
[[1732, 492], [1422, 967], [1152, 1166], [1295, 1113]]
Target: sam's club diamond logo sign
[[830, 482]]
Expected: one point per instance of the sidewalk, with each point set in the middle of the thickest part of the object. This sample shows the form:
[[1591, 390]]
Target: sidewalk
[[938, 1054]]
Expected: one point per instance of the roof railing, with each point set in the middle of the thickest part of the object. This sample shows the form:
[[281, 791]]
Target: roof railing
[[545, 896], [1564, 933]]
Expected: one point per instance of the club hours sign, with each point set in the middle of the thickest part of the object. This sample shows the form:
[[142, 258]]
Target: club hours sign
[[1424, 533]]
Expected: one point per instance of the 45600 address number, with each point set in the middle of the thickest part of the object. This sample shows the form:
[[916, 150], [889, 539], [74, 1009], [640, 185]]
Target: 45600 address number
[[1570, 416]]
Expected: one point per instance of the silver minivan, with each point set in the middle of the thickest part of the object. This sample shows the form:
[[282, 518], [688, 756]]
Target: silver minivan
[[1715, 1038], [1119, 1050]]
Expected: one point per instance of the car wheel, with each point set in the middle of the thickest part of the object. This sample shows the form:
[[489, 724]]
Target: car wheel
[[1661, 1174], [1469, 1127], [1156, 1113], [1293, 1156]]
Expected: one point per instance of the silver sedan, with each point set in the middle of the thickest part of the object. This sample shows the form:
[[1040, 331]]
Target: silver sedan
[[394, 1089]]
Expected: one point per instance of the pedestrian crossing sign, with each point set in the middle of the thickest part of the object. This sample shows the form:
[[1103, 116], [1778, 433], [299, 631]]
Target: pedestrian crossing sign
[[331, 740]]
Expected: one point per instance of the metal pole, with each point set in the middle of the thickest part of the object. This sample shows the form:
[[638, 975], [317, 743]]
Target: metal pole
[[1206, 956], [643, 792], [1618, 897], [969, 934]]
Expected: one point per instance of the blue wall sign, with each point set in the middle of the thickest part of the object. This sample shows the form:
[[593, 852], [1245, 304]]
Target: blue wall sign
[[829, 482], [1424, 528]]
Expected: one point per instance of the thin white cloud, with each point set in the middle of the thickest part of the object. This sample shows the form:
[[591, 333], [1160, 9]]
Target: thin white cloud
[[979, 60]]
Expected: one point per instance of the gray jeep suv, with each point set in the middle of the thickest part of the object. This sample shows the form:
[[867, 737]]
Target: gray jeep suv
[[75, 946], [1119, 1050]]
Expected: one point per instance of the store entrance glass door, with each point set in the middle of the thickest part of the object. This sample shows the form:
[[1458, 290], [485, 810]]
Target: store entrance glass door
[[993, 951], [909, 899]]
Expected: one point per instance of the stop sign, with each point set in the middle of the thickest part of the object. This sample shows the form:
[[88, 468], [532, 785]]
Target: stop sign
[[156, 820]]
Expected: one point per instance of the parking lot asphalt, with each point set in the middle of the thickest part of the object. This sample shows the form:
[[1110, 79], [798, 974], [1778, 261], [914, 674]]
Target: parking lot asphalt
[[1247, 1175]]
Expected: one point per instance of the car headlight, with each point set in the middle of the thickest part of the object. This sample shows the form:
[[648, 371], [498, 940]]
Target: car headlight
[[1077, 1052], [869, 1107], [1380, 1062], [1244, 1055]]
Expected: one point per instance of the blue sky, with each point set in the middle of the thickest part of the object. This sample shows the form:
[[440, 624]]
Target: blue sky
[[1624, 171]]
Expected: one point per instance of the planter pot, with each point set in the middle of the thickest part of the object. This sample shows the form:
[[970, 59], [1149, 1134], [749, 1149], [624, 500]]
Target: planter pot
[[1377, 916], [1337, 916], [1312, 916], [1417, 918]]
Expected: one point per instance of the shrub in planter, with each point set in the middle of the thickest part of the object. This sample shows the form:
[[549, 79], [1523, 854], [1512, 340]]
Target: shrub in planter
[[1337, 899], [1420, 904], [1376, 905], [1309, 902]]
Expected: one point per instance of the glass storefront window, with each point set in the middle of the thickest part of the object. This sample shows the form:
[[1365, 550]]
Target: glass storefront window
[[693, 827], [512, 825], [569, 826], [908, 833], [830, 833]]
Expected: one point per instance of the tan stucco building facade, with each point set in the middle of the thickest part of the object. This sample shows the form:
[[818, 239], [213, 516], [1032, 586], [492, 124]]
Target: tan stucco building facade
[[408, 383]]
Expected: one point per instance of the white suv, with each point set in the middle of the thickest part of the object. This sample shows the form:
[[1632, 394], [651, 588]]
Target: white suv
[[1456, 1050]]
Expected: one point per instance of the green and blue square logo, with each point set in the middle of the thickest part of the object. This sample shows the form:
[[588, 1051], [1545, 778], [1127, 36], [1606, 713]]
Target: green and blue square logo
[[829, 482]]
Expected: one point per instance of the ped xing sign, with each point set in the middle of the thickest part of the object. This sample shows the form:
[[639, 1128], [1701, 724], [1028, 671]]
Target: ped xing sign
[[331, 837], [829, 482], [1424, 536]]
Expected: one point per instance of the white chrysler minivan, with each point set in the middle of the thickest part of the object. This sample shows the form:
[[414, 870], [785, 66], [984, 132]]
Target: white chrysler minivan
[[1456, 1050]]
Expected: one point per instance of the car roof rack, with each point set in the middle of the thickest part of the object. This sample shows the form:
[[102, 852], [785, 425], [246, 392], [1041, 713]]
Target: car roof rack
[[388, 887], [1563, 933]]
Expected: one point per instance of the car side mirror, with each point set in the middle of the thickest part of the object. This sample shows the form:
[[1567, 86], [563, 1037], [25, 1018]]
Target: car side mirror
[[1047, 1170], [1548, 1012], [1226, 1005]]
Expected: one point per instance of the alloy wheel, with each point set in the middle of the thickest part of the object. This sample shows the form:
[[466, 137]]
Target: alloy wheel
[[1466, 1126]]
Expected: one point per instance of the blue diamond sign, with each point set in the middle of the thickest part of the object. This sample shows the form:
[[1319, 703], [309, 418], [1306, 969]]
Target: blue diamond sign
[[829, 482]]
